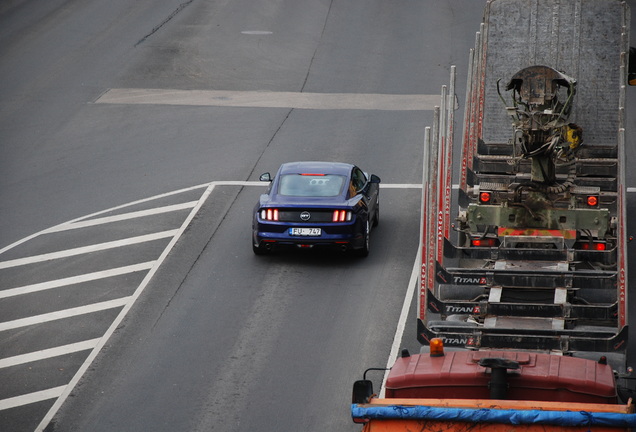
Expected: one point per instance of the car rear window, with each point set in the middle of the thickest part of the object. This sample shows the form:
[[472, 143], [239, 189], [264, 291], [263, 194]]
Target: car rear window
[[311, 185]]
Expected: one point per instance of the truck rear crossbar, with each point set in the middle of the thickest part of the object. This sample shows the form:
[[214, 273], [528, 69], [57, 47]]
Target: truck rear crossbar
[[465, 335], [511, 278], [607, 312]]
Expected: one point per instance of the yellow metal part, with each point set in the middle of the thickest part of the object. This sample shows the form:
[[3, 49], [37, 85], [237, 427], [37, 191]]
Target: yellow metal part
[[573, 135]]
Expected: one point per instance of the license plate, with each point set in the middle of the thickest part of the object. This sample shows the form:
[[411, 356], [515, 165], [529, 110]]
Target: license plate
[[305, 232]]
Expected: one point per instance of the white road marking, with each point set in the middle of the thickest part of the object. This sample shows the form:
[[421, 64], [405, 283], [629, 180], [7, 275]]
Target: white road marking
[[141, 201], [87, 277], [48, 353], [31, 398], [64, 313], [269, 99], [121, 217], [410, 292], [62, 392], [86, 249], [82, 369], [406, 306], [256, 32], [400, 186]]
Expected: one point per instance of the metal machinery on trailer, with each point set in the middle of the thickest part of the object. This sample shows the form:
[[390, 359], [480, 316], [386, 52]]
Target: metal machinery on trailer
[[523, 296]]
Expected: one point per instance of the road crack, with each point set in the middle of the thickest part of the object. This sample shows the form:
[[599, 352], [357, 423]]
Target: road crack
[[174, 13]]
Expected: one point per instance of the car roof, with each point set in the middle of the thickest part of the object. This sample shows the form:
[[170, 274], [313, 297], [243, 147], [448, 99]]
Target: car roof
[[316, 167]]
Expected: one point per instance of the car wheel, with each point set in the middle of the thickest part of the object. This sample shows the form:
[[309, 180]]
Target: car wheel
[[364, 250]]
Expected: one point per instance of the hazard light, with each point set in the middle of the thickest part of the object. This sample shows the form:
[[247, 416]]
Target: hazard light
[[484, 197], [436, 347], [269, 214]]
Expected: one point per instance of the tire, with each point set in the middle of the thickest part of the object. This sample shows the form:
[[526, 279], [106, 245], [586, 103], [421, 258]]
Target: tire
[[364, 250]]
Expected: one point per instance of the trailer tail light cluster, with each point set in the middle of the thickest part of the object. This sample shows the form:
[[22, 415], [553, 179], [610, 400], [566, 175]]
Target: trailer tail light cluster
[[341, 216], [596, 246], [592, 201], [486, 242], [269, 214], [484, 197]]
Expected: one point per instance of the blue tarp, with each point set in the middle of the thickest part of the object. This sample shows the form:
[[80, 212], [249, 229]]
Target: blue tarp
[[487, 415]]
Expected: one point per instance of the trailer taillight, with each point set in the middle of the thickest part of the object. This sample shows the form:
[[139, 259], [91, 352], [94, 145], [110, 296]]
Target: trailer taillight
[[594, 246], [592, 201], [484, 197], [269, 214], [488, 242], [341, 216], [436, 347]]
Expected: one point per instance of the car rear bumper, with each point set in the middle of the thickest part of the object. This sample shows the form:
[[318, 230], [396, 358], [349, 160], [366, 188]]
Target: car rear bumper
[[342, 236]]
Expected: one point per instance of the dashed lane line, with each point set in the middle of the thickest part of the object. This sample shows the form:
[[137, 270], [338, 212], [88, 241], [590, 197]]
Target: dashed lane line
[[27, 289], [31, 398], [64, 313], [87, 249], [121, 217], [48, 353]]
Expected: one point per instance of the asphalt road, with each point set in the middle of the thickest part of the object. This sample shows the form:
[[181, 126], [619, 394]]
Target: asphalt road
[[203, 334]]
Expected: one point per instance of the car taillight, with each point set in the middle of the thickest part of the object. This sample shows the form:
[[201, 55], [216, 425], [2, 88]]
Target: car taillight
[[269, 214], [341, 216]]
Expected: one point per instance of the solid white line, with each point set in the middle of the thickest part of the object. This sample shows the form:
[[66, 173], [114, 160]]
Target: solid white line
[[87, 249], [48, 353], [400, 186], [406, 306], [30, 398], [64, 313], [122, 217], [80, 372], [27, 289]]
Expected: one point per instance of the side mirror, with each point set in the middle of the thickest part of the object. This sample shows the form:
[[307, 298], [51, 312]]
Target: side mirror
[[375, 179], [265, 177], [362, 391]]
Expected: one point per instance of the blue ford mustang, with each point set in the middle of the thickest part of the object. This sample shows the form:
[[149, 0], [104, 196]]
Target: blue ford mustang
[[311, 204]]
